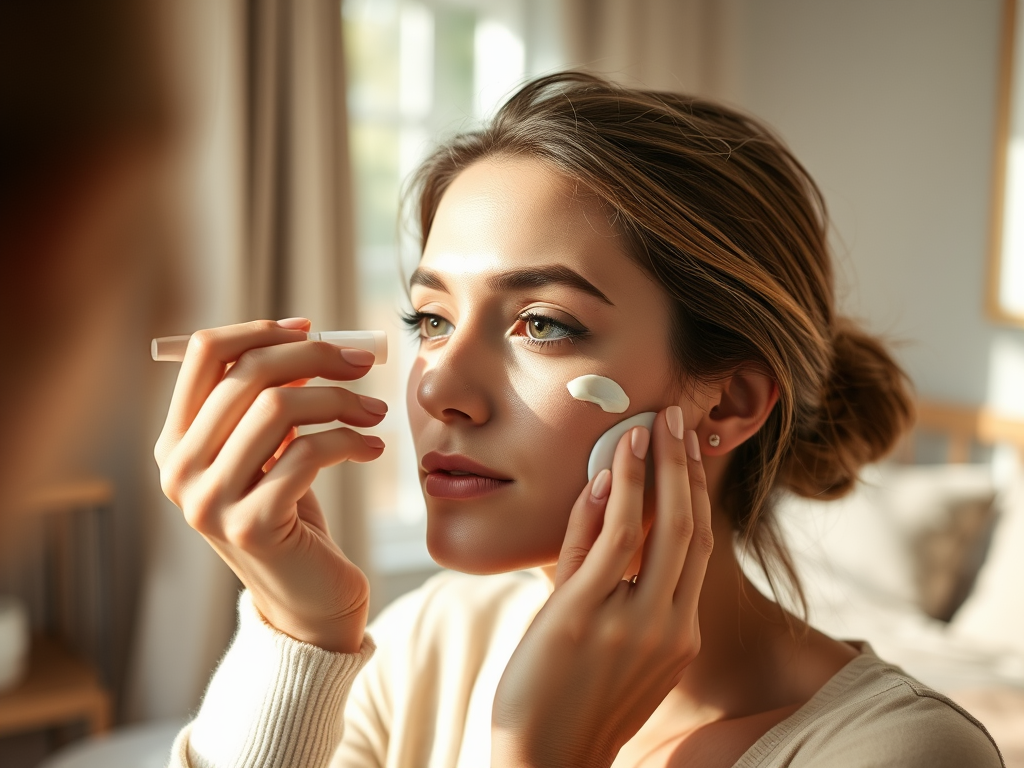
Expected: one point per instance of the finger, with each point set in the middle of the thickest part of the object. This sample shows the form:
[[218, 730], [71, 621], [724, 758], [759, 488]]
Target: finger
[[271, 499], [622, 532], [257, 370], [208, 354], [702, 541], [672, 528], [585, 522], [276, 411]]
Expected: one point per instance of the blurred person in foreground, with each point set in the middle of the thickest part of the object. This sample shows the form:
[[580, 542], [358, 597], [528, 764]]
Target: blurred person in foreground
[[84, 129]]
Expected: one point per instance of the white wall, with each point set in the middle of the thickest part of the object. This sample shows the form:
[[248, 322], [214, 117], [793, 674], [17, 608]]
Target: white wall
[[891, 106]]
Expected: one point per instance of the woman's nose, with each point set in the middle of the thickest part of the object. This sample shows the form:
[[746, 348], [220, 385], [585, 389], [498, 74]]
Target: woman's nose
[[457, 386]]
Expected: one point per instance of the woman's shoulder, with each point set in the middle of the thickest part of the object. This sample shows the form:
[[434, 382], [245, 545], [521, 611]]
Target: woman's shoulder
[[873, 713]]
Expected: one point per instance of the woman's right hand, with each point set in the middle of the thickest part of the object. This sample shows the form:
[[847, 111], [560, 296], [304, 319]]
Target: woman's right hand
[[229, 458]]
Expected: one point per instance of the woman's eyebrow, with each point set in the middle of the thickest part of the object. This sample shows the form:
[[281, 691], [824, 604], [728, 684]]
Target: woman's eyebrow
[[428, 279], [518, 279], [556, 274]]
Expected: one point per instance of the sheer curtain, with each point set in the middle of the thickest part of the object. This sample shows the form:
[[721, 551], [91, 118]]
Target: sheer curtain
[[264, 218]]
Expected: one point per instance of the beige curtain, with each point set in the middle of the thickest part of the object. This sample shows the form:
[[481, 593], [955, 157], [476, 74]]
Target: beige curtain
[[298, 256], [678, 45], [265, 217]]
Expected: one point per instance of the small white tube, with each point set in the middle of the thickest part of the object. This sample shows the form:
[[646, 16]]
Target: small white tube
[[371, 341], [169, 348], [172, 348]]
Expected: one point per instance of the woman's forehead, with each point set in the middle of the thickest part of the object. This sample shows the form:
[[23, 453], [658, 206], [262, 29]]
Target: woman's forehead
[[507, 214]]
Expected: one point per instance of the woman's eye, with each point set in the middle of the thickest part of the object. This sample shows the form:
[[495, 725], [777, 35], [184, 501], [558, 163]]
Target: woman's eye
[[433, 327], [545, 329], [427, 326]]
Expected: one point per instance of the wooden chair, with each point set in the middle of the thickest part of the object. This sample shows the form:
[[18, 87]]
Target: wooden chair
[[963, 427]]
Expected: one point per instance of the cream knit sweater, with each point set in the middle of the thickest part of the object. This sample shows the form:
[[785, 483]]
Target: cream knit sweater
[[421, 697]]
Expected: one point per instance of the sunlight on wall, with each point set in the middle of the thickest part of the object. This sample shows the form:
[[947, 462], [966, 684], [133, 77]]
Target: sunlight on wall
[[1006, 394], [1006, 375]]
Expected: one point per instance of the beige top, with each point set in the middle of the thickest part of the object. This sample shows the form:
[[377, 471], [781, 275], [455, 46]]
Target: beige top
[[422, 697]]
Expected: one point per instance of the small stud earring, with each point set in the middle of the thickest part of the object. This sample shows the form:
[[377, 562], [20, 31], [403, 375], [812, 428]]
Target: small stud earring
[[714, 440]]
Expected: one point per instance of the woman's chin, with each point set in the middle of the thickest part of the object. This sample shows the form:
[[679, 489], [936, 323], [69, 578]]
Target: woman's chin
[[461, 543]]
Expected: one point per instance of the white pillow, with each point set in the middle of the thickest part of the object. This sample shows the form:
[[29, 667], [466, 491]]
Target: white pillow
[[994, 612], [864, 544], [850, 544], [922, 497]]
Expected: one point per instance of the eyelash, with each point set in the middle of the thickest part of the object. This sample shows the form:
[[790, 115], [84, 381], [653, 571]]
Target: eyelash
[[413, 322]]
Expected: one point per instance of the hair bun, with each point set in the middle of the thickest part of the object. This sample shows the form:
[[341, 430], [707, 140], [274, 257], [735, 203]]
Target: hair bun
[[865, 406]]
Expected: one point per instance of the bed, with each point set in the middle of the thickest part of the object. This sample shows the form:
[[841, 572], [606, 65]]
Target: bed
[[925, 560]]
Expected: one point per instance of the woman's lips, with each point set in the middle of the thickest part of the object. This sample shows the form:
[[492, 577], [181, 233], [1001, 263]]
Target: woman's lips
[[442, 485], [458, 477]]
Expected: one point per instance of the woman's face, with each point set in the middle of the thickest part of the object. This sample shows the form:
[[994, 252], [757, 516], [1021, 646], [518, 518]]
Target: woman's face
[[523, 286]]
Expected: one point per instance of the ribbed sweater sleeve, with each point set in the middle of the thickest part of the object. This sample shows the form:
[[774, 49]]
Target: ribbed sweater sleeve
[[274, 702]]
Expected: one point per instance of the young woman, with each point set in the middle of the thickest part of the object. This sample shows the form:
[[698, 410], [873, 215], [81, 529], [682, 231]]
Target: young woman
[[663, 242]]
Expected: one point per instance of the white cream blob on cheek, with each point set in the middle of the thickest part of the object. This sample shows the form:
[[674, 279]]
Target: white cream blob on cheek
[[600, 390], [612, 399]]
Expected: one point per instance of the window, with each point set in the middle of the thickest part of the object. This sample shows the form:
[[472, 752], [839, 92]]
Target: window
[[1006, 299], [418, 71]]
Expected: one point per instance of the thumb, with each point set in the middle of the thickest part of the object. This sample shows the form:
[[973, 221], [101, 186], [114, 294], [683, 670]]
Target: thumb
[[585, 523]]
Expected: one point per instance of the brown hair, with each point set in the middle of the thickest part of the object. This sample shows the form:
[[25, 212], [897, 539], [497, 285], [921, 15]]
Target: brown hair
[[717, 210]]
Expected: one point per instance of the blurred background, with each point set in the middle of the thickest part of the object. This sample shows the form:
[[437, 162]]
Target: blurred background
[[294, 125]]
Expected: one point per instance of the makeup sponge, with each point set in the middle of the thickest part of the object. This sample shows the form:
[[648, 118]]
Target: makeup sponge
[[604, 448]]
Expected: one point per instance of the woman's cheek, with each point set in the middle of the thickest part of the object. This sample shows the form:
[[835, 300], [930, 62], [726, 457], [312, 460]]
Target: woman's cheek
[[555, 434], [558, 481]]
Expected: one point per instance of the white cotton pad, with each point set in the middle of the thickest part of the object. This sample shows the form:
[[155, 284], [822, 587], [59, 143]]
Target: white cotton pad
[[604, 448], [601, 390]]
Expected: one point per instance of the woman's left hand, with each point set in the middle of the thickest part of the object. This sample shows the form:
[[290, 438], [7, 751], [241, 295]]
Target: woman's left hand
[[603, 652]]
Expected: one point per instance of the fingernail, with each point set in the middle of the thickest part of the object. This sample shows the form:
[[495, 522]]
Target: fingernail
[[602, 484], [373, 405], [692, 445], [639, 441], [294, 323], [674, 417], [358, 357], [373, 441]]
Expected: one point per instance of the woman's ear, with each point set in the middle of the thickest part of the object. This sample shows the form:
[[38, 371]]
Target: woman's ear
[[745, 401]]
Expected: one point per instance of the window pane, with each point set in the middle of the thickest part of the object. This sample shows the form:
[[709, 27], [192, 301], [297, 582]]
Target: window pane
[[453, 67], [418, 71], [372, 56], [375, 154]]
